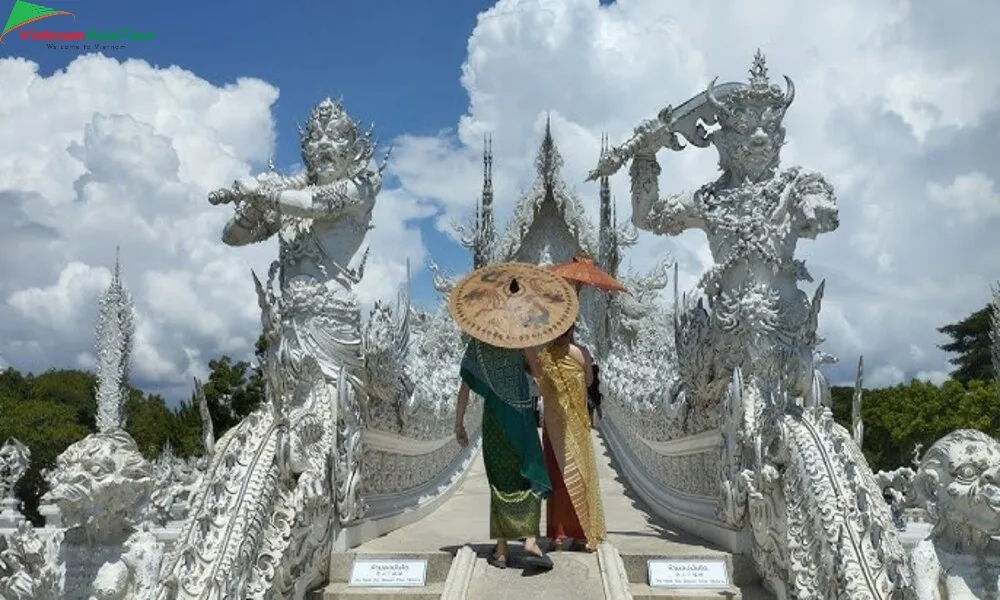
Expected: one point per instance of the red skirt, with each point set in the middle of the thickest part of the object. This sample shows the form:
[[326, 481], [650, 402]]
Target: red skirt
[[560, 517]]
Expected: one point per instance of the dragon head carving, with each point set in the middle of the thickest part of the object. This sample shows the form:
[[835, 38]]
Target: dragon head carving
[[99, 482], [959, 480]]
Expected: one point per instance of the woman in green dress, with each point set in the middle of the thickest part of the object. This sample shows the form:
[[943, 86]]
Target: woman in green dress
[[506, 308], [512, 452]]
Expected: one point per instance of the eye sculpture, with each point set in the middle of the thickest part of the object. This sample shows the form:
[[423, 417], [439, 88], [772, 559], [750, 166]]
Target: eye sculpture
[[967, 472]]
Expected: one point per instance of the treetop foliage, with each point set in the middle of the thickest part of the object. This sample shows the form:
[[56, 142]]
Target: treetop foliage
[[54, 409]]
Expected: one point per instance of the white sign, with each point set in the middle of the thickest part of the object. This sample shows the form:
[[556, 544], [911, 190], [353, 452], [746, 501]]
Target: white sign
[[388, 573], [688, 573]]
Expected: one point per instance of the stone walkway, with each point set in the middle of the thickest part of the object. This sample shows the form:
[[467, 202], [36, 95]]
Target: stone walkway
[[463, 520]]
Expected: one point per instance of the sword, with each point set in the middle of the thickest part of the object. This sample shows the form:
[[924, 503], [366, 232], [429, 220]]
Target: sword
[[653, 134]]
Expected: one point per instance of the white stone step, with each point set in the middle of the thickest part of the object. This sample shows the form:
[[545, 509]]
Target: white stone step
[[576, 576]]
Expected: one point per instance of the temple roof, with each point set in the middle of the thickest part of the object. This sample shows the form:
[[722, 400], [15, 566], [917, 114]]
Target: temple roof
[[548, 205]]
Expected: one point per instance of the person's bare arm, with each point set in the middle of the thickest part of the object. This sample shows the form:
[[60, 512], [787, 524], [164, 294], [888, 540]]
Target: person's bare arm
[[534, 365], [463, 402], [588, 365]]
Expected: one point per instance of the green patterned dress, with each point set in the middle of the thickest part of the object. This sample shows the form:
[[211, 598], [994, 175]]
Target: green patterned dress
[[512, 452]]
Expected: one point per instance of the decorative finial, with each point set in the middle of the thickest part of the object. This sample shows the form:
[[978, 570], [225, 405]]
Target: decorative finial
[[758, 72]]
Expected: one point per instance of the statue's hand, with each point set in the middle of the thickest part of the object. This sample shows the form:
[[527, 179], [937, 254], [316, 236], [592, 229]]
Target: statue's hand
[[221, 196], [246, 188], [647, 138], [608, 165]]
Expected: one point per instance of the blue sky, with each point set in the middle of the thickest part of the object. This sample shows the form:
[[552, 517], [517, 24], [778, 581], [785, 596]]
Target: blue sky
[[394, 62], [897, 110]]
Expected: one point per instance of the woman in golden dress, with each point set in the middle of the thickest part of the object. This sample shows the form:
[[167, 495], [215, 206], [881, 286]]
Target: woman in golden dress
[[574, 512]]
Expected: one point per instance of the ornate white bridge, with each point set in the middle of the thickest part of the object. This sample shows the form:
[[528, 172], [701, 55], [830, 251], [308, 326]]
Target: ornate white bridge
[[454, 541]]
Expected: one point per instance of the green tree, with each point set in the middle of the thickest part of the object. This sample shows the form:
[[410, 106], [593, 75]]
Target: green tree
[[971, 344], [148, 421], [76, 389], [185, 432], [233, 391], [900, 417], [47, 428], [13, 384]]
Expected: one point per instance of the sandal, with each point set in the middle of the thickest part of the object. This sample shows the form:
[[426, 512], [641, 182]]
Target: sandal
[[497, 560]]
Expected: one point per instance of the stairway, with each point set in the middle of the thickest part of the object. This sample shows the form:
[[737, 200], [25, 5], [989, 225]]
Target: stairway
[[453, 539]]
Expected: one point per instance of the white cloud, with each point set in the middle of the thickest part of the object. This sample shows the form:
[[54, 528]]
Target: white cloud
[[896, 104], [129, 162], [971, 197], [893, 104]]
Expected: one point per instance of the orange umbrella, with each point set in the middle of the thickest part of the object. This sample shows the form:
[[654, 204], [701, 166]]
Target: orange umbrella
[[585, 271]]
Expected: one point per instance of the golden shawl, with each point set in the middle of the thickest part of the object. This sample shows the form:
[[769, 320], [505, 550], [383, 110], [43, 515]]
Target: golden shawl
[[567, 421]]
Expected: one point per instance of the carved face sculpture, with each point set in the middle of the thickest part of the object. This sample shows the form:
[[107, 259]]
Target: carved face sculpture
[[331, 144], [101, 474], [750, 138], [959, 480], [14, 460]]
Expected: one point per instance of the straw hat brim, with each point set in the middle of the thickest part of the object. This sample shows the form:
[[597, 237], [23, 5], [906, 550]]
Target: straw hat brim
[[513, 305]]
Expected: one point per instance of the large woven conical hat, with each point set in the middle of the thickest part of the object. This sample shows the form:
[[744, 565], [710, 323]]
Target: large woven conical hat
[[513, 305]]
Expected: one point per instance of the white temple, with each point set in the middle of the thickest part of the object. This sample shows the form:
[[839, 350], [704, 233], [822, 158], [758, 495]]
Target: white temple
[[718, 451]]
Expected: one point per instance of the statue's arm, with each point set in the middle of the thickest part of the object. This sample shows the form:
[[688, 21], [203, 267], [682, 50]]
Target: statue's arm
[[328, 201], [926, 570], [671, 215], [249, 225]]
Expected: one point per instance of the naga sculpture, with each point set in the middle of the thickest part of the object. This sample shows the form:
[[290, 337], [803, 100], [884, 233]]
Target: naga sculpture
[[959, 481], [282, 483], [746, 362]]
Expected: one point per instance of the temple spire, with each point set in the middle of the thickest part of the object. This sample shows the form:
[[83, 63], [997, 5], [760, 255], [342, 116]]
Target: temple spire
[[548, 162], [115, 327], [484, 235], [605, 226]]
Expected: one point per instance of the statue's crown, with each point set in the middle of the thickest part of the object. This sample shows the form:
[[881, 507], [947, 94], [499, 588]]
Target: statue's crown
[[329, 116], [761, 92]]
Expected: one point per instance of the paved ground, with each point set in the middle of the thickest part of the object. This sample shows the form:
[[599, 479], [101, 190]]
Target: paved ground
[[463, 520]]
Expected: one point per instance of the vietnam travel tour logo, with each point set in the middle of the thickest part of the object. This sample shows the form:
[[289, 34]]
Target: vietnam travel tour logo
[[26, 13]]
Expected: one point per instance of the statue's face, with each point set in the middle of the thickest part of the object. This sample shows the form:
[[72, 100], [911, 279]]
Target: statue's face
[[967, 474], [751, 138], [323, 153], [330, 142], [100, 469], [13, 463]]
